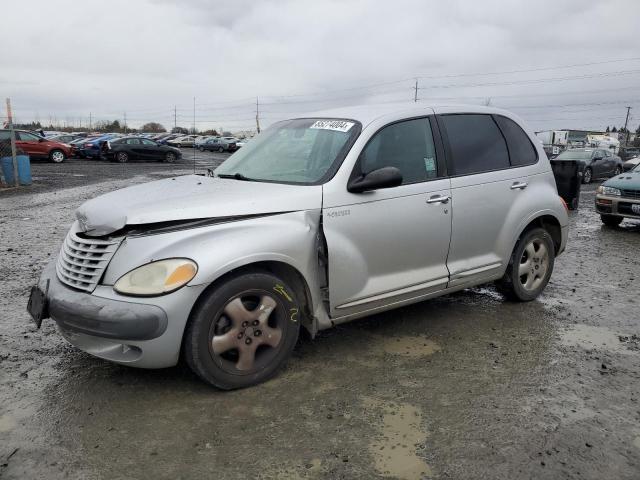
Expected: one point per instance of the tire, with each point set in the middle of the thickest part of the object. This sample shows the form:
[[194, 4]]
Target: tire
[[221, 149], [201, 149], [611, 220], [530, 266], [57, 156], [122, 157], [170, 157], [617, 171], [587, 176], [229, 313]]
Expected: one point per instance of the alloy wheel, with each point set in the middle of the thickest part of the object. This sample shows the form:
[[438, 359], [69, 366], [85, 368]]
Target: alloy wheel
[[533, 264], [247, 333], [57, 156]]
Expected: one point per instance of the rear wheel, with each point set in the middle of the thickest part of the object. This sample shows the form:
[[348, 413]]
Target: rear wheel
[[587, 176], [611, 220], [122, 157], [243, 332], [56, 156], [170, 157], [201, 149], [530, 266], [221, 149], [617, 171]]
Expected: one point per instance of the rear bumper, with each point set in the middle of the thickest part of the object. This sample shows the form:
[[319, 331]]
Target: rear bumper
[[617, 206]]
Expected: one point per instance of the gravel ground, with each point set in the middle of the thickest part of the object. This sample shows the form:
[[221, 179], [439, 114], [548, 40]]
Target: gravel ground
[[465, 386]]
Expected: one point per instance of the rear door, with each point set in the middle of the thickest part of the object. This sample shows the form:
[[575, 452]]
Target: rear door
[[389, 245], [485, 186]]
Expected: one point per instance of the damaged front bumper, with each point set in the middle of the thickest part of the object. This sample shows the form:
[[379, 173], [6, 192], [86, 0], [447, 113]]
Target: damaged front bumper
[[143, 333]]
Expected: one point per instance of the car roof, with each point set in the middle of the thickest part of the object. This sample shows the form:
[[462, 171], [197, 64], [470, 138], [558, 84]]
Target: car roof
[[366, 114]]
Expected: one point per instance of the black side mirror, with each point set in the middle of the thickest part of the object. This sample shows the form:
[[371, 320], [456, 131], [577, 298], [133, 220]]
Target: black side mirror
[[385, 177], [597, 158]]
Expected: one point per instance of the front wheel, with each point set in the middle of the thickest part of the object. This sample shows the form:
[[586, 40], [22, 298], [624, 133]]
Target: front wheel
[[57, 156], [122, 157], [611, 220], [530, 266], [221, 149], [170, 157], [617, 171], [243, 331], [587, 176], [201, 149]]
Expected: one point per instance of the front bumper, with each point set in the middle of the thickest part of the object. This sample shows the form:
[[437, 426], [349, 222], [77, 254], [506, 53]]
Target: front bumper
[[618, 206], [140, 332]]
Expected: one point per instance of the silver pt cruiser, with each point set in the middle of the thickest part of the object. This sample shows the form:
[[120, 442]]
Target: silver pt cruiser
[[317, 221]]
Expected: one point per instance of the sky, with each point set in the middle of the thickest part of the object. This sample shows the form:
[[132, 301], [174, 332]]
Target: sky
[[558, 64]]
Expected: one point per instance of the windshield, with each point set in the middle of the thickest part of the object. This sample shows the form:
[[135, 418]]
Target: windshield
[[574, 155], [303, 151]]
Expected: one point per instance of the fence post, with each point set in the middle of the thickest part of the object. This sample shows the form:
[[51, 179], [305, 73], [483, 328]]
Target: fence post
[[13, 143]]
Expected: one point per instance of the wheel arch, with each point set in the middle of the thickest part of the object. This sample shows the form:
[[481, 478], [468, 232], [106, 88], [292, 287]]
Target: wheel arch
[[548, 222]]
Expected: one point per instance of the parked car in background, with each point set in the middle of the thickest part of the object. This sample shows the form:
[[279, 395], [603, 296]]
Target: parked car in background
[[66, 138], [320, 220], [217, 145], [168, 138], [619, 197], [200, 139], [38, 147], [140, 148], [185, 141], [92, 147], [242, 142], [598, 163], [631, 164]]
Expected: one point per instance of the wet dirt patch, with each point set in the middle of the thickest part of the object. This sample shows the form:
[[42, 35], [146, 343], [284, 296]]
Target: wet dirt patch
[[590, 337], [394, 450], [410, 346]]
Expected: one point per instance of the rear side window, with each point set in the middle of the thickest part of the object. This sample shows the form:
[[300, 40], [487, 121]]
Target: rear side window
[[521, 150], [476, 143], [406, 145], [5, 135], [133, 141]]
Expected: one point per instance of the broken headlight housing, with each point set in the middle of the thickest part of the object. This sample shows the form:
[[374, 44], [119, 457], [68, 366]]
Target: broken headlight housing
[[157, 278]]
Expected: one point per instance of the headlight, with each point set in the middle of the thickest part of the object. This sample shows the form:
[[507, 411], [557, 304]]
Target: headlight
[[608, 190], [157, 278]]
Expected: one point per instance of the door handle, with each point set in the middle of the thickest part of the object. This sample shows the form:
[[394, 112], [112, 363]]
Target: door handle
[[439, 199], [519, 186]]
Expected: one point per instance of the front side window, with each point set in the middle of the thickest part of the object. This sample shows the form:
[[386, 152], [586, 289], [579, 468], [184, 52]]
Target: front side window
[[133, 141], [147, 142], [521, 150], [301, 151], [406, 145], [476, 143]]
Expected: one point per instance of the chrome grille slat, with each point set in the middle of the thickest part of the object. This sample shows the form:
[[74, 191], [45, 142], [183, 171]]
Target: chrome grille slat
[[630, 193], [82, 261]]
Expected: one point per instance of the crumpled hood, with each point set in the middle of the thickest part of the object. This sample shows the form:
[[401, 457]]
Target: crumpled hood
[[192, 197], [625, 181]]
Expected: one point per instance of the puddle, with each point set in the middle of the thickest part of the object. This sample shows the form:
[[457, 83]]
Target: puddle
[[589, 337], [410, 346], [394, 451]]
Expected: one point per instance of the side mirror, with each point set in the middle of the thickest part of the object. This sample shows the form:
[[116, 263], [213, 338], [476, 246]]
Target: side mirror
[[597, 158], [385, 177]]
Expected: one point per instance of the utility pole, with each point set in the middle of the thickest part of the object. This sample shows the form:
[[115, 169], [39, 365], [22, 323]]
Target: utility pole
[[90, 122], [175, 117], [12, 135], [125, 122], [257, 116], [194, 132], [626, 123], [415, 92]]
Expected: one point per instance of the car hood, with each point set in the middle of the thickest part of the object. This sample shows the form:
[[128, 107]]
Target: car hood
[[625, 181], [192, 197]]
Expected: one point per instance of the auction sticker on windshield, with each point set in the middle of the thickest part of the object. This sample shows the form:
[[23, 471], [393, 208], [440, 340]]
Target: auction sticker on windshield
[[337, 125]]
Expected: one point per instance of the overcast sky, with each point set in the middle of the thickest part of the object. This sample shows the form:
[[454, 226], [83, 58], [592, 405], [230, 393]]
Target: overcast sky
[[66, 59]]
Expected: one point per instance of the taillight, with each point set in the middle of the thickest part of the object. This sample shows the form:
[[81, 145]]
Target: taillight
[[566, 207]]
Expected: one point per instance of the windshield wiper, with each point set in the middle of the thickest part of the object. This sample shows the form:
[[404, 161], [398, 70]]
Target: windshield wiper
[[236, 176]]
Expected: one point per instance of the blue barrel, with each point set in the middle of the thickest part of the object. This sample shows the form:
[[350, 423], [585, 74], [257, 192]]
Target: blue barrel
[[24, 169]]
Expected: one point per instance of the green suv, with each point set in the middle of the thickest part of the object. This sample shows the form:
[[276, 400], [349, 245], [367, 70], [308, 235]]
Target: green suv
[[619, 197]]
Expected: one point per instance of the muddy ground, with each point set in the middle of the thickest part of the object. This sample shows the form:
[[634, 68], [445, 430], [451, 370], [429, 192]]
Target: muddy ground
[[466, 386]]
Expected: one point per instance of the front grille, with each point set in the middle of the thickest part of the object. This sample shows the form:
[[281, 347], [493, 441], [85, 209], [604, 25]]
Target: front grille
[[630, 193], [82, 261]]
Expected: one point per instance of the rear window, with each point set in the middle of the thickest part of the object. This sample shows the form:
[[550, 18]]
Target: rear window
[[521, 150], [476, 143]]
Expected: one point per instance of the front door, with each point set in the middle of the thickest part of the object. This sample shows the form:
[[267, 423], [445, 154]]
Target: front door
[[31, 144], [390, 245]]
